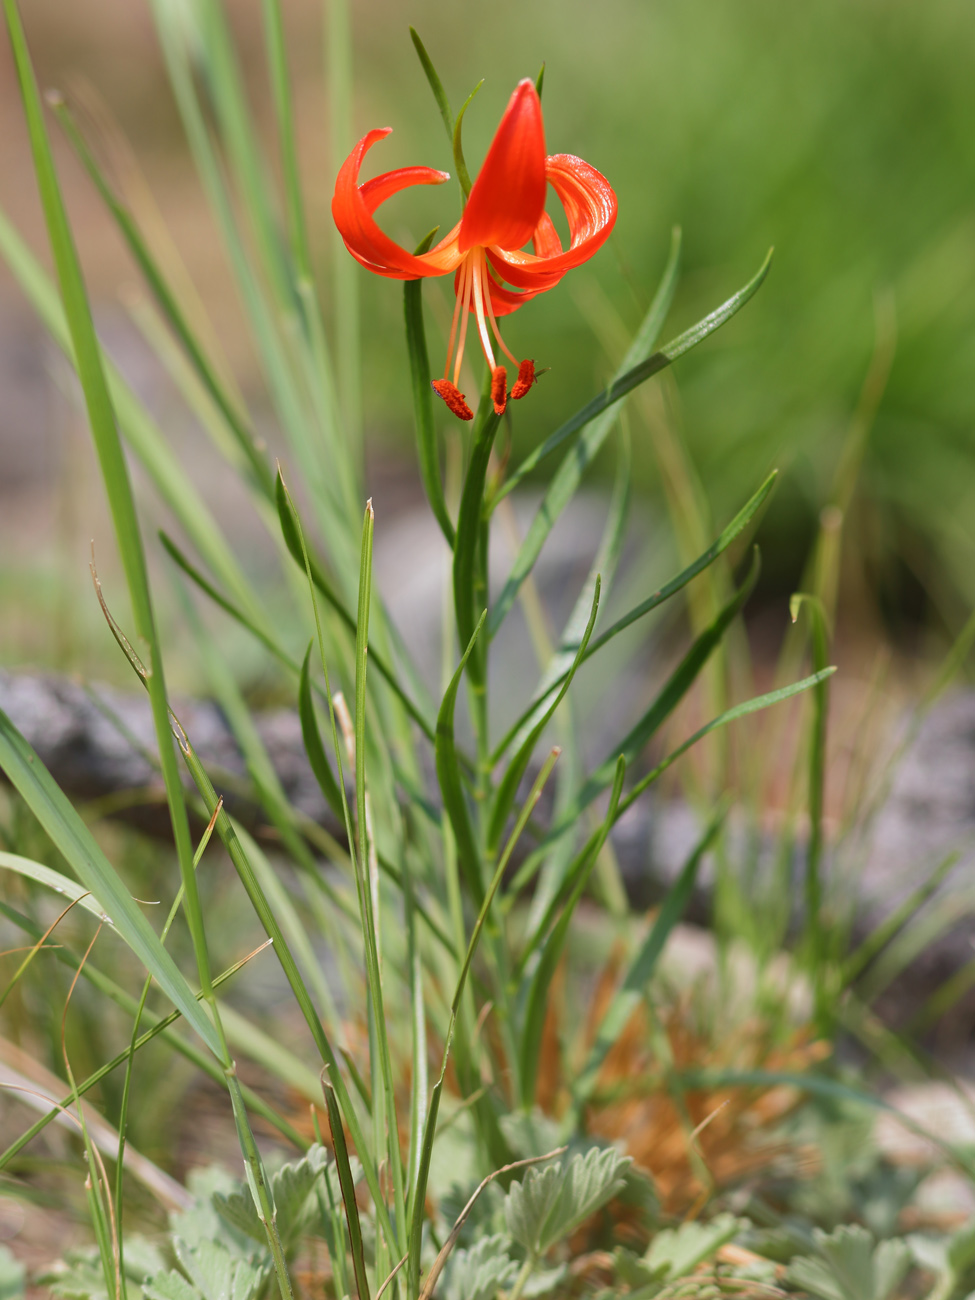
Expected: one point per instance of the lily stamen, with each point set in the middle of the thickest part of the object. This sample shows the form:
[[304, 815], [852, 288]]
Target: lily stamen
[[505, 211]]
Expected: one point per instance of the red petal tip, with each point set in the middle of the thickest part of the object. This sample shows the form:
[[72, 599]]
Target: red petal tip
[[453, 397], [526, 377], [499, 389]]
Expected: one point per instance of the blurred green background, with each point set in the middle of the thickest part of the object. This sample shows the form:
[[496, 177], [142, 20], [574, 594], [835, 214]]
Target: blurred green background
[[841, 131]]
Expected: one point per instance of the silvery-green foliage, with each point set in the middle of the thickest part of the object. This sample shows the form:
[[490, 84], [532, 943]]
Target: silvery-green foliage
[[676, 1252], [291, 1191], [551, 1202], [479, 1273], [849, 1266], [12, 1276], [951, 1260], [218, 1274], [530, 1134], [80, 1275]]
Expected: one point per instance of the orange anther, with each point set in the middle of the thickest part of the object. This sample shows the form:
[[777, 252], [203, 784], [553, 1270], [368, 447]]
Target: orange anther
[[453, 397], [526, 377], [499, 389]]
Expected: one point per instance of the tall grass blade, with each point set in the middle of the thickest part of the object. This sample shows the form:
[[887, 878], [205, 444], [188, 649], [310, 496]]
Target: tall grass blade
[[426, 434], [641, 969], [536, 1002], [74, 840], [348, 1187], [451, 785], [508, 787]]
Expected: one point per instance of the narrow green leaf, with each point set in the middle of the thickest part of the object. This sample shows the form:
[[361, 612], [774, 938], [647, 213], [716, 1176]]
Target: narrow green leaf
[[348, 1187], [641, 969], [469, 528], [314, 748], [202, 1059], [426, 433], [426, 1151], [754, 705], [74, 840], [463, 175], [508, 787], [436, 85], [536, 1002], [570, 472], [673, 692], [448, 775], [166, 300], [287, 143], [292, 539]]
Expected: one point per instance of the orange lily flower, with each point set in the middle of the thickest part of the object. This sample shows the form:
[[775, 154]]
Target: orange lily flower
[[485, 250]]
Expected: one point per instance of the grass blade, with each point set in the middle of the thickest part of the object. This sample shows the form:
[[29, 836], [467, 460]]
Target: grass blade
[[436, 85], [426, 434], [74, 840], [348, 1187], [536, 1002], [419, 1191], [292, 539], [448, 775], [633, 987], [508, 787], [569, 474]]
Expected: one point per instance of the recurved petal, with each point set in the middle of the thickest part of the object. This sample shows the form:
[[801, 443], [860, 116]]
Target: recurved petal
[[508, 197], [590, 207], [354, 204]]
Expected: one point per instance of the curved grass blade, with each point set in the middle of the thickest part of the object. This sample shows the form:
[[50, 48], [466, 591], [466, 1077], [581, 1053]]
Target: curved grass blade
[[436, 85], [74, 840], [676, 687], [418, 1196], [292, 539], [754, 705], [314, 748], [537, 999], [508, 787], [281, 83], [463, 175], [569, 474], [203, 1060], [469, 529], [717, 547], [631, 990], [673, 692], [347, 1185], [166, 300], [448, 775], [140, 431]]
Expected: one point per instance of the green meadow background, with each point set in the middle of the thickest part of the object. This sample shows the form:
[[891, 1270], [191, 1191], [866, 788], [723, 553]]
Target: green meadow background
[[841, 131]]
